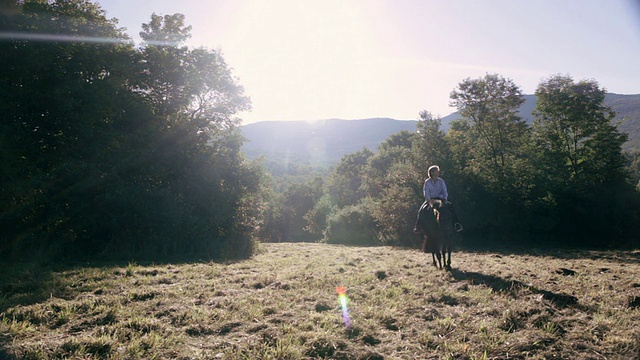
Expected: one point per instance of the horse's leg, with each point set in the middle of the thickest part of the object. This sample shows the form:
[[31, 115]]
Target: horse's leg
[[433, 257], [448, 262], [439, 256], [449, 250]]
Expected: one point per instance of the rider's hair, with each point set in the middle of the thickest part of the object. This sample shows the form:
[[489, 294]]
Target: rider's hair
[[433, 167]]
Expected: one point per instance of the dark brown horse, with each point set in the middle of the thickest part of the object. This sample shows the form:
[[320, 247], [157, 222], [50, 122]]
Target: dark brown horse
[[437, 229]]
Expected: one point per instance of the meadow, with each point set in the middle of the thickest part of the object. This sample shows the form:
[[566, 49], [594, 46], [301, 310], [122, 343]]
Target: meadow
[[282, 304]]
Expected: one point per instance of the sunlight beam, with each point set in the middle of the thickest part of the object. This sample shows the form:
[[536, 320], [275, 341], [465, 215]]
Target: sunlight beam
[[72, 38]]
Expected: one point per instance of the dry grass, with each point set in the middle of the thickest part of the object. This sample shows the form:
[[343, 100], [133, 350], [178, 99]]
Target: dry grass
[[282, 304]]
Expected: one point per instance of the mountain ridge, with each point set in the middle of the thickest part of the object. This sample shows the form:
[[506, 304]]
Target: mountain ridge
[[326, 141], [321, 141]]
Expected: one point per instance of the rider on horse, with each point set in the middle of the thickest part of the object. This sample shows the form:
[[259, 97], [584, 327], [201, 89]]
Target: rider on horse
[[435, 188]]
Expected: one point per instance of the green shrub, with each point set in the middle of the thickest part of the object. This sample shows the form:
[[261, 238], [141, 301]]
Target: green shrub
[[353, 225]]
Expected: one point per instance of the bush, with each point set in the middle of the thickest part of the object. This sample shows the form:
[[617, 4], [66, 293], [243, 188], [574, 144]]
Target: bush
[[353, 225]]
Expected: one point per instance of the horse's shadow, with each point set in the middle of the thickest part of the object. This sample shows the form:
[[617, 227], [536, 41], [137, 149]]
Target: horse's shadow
[[512, 287]]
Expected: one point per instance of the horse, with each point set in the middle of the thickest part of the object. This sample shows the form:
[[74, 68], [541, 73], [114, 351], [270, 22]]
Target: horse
[[437, 229]]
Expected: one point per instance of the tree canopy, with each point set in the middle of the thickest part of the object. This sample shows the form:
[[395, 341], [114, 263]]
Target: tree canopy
[[119, 152]]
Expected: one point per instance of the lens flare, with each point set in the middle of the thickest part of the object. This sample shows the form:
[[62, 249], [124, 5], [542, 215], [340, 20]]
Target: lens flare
[[58, 38], [28, 36], [342, 298]]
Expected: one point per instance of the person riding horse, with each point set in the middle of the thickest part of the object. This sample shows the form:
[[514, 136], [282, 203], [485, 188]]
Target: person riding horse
[[435, 188]]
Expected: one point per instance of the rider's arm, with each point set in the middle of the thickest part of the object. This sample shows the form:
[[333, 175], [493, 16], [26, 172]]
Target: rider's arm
[[445, 193]]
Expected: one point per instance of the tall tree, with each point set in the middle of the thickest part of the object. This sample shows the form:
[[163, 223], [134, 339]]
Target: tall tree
[[393, 181], [432, 146], [163, 80], [497, 133], [574, 132], [112, 150], [195, 99], [581, 161], [62, 95]]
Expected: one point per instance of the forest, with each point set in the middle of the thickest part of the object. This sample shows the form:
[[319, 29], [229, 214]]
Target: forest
[[112, 151]]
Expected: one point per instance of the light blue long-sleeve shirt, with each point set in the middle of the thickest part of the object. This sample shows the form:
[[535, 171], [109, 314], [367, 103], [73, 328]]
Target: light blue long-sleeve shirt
[[435, 189]]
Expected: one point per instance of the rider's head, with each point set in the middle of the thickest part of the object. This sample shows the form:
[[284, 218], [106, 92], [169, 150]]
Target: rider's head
[[434, 170]]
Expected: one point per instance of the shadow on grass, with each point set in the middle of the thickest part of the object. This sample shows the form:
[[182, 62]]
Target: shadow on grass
[[546, 248], [3, 353], [25, 285], [28, 283], [512, 287]]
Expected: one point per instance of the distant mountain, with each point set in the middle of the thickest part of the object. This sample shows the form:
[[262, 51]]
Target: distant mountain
[[320, 142], [325, 142], [627, 108], [525, 112]]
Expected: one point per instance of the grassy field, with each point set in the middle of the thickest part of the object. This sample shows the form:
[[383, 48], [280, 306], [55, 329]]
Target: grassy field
[[282, 304]]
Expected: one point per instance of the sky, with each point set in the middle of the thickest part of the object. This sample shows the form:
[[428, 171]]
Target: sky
[[355, 59]]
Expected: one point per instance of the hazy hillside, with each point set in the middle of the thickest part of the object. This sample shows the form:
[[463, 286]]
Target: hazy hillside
[[327, 141], [627, 108], [324, 141]]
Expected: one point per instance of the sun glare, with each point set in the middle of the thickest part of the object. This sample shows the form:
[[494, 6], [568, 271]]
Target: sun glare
[[354, 59], [321, 54]]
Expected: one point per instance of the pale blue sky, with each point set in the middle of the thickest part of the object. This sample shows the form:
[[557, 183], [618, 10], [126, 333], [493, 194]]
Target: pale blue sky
[[354, 59]]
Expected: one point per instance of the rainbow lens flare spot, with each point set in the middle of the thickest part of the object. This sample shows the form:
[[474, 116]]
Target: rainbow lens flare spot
[[343, 300]]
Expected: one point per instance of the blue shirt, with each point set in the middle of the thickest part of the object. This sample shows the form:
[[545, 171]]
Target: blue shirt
[[435, 189]]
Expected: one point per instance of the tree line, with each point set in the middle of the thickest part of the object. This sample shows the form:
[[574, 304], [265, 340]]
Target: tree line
[[112, 151], [563, 180]]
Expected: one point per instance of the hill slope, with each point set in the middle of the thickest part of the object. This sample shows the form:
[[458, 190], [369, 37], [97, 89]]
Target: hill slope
[[327, 141], [324, 141], [627, 108]]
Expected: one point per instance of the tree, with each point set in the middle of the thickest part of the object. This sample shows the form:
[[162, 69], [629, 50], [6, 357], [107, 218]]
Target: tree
[[574, 132], [62, 99], [163, 59], [432, 146], [392, 182], [165, 31], [497, 133], [344, 184], [115, 151], [581, 162], [394, 150], [395, 207], [198, 165], [296, 202]]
